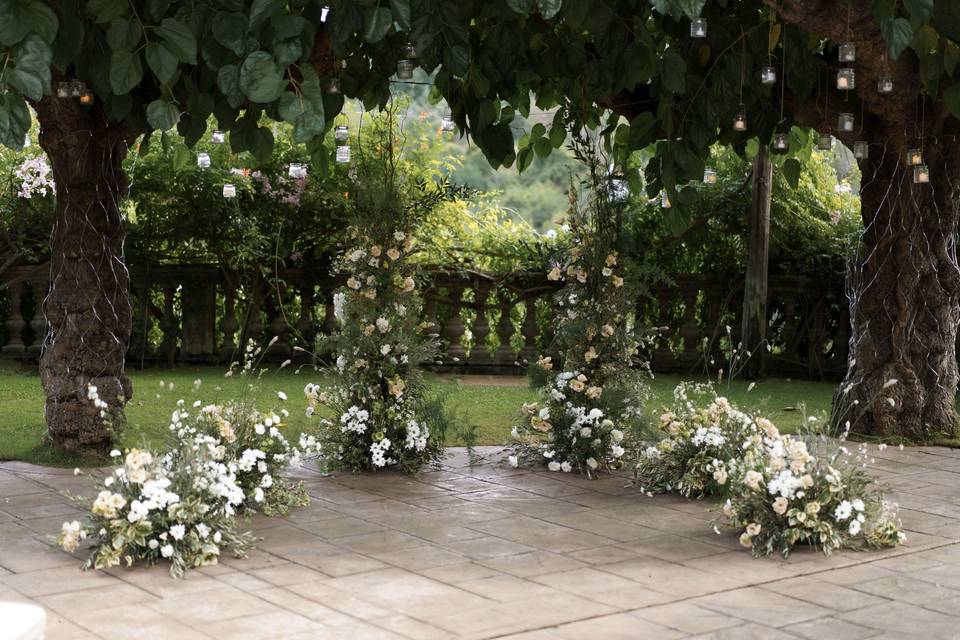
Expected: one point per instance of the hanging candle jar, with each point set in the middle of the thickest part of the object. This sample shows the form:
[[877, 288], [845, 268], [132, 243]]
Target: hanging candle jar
[[846, 79], [740, 120], [698, 28], [63, 89], [921, 174], [343, 154], [780, 142], [885, 85], [409, 51], [848, 52], [297, 170], [77, 89], [845, 122], [825, 142], [203, 160], [665, 200], [405, 69], [447, 125], [229, 191], [86, 97], [768, 75], [218, 137], [709, 176], [333, 86], [914, 157], [341, 134], [861, 150]]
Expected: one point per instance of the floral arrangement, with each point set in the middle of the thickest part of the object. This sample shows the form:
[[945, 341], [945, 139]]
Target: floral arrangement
[[36, 178], [383, 413], [181, 505], [590, 409], [777, 491]]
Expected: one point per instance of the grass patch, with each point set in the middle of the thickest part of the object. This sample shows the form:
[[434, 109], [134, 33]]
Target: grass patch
[[482, 414]]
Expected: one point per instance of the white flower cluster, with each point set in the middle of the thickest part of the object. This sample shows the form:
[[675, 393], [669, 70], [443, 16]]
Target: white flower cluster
[[354, 420], [35, 176], [378, 452]]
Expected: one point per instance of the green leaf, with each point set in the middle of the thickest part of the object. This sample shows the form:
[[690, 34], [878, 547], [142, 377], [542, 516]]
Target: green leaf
[[161, 61], [42, 20], [376, 23], [898, 33], [673, 72], [261, 144], [401, 13], [522, 6], [260, 79], [13, 28], [951, 56], [524, 159], [261, 10], [123, 34], [228, 81], [558, 134], [920, 10], [549, 8], [181, 157], [162, 115], [691, 8], [182, 42], [107, 10], [951, 96], [791, 171], [68, 43], [542, 147], [126, 71], [30, 74], [230, 30]]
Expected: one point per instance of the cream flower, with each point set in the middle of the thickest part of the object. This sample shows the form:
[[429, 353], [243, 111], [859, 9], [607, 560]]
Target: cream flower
[[753, 479], [780, 505]]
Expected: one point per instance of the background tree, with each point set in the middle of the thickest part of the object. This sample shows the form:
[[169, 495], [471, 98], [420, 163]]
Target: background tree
[[150, 65]]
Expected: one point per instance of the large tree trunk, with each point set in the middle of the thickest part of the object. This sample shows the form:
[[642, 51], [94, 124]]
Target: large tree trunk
[[904, 301], [753, 326], [88, 305]]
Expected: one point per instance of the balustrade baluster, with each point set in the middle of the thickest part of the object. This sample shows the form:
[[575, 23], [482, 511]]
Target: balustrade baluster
[[481, 325], [530, 329], [168, 325], [453, 328], [505, 354], [15, 324]]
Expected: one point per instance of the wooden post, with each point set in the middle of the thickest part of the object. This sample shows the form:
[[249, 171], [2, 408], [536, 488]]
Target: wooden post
[[753, 327]]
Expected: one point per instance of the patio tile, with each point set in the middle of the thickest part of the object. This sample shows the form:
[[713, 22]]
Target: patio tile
[[614, 627], [830, 628], [824, 594], [906, 589], [762, 607], [211, 606], [900, 619], [686, 617]]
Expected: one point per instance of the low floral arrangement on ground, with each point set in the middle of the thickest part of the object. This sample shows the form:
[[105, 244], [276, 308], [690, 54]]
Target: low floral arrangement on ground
[[590, 410], [779, 490], [181, 505]]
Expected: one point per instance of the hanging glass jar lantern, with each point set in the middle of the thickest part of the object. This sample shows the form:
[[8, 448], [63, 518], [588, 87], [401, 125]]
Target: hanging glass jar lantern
[[846, 79], [218, 137], [825, 142], [229, 191], [86, 97], [343, 154], [885, 85], [921, 174], [78, 88], [780, 142], [409, 51], [845, 122], [914, 157], [405, 69], [333, 86], [861, 150], [698, 28], [848, 52], [203, 160], [619, 189], [768, 75], [63, 89], [665, 200], [297, 170], [447, 125], [341, 134], [740, 120], [709, 176]]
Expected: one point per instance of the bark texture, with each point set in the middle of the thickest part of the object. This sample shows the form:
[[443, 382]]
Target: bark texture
[[904, 285], [88, 305], [753, 326]]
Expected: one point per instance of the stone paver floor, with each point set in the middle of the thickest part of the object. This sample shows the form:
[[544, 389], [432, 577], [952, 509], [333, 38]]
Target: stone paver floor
[[493, 552]]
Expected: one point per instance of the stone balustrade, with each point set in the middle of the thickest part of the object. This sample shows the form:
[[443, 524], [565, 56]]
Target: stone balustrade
[[203, 314]]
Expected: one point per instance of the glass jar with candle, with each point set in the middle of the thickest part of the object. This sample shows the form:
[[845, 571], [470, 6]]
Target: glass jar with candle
[[342, 133], [780, 142], [297, 170], [885, 85], [203, 160], [447, 125], [218, 137], [740, 121], [768, 75], [404, 69], [861, 150], [914, 157], [709, 176], [846, 79], [229, 191], [848, 52], [825, 142], [86, 97], [343, 154], [698, 28], [333, 86], [845, 122], [921, 174]]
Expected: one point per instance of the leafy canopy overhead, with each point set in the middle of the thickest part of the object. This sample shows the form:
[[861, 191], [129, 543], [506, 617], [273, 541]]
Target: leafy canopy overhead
[[629, 66]]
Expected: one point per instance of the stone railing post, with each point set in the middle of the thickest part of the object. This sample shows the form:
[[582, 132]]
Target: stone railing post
[[480, 353]]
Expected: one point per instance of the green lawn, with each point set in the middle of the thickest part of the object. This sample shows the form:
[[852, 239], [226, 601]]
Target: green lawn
[[487, 411]]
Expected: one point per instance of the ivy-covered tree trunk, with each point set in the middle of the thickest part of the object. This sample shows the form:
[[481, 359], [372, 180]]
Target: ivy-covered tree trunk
[[88, 305], [904, 301]]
